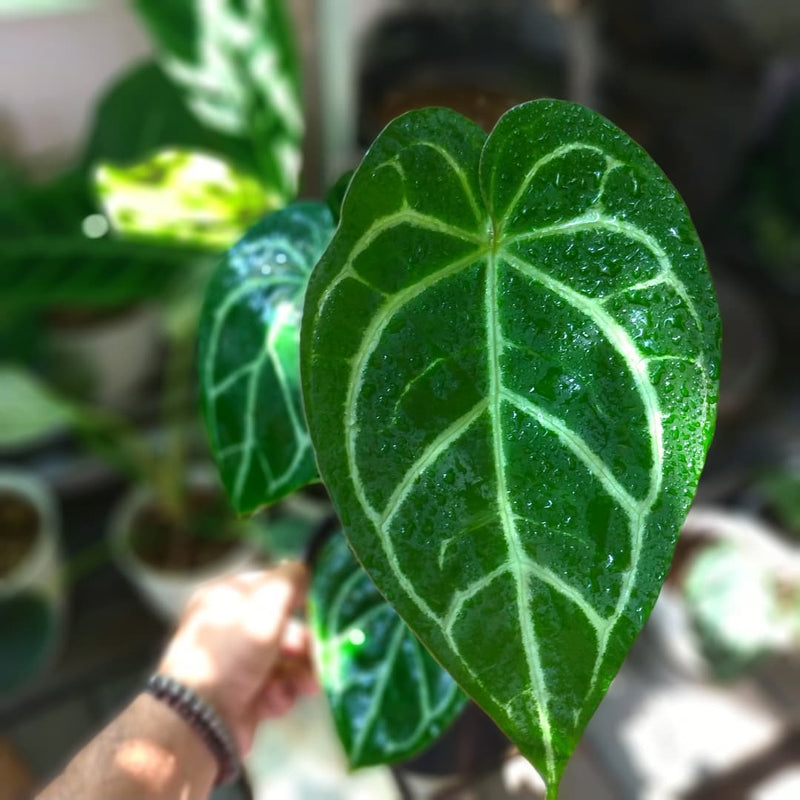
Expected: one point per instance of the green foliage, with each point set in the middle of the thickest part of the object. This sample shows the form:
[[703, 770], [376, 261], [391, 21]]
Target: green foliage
[[510, 358], [145, 111], [390, 699], [732, 602], [28, 410], [249, 356], [182, 196], [46, 258], [238, 68], [781, 488]]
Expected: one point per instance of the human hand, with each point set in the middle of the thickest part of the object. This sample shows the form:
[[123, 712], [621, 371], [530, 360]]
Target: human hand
[[240, 649]]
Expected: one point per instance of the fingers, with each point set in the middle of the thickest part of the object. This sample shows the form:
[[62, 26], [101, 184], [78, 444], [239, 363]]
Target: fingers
[[272, 597]]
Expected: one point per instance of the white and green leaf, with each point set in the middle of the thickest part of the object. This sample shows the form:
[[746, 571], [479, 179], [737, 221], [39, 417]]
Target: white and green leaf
[[182, 196], [389, 698], [238, 67], [510, 356], [249, 356]]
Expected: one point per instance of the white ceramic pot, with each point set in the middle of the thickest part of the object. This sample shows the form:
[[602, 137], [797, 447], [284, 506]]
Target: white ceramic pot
[[763, 547], [39, 574], [166, 591], [115, 355]]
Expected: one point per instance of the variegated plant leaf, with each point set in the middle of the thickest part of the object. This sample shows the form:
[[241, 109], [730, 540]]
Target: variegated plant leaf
[[509, 356], [182, 196], [249, 356], [389, 698], [238, 66]]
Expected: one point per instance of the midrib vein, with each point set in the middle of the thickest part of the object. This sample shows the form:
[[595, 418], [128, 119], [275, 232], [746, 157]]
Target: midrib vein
[[517, 557]]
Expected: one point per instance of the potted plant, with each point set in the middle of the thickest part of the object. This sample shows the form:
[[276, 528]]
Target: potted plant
[[31, 593], [502, 357]]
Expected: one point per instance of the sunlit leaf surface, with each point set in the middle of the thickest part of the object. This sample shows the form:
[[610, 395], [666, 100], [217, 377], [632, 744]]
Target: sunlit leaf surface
[[510, 355], [389, 698], [182, 196], [249, 356]]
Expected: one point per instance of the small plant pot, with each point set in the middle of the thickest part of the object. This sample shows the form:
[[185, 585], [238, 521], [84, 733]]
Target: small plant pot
[[31, 590], [471, 748], [166, 588], [759, 547], [107, 359]]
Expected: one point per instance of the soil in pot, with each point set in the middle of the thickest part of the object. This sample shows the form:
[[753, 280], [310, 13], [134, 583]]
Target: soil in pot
[[206, 534], [19, 529]]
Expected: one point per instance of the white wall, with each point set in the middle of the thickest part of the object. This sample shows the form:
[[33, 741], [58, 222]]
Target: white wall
[[52, 67]]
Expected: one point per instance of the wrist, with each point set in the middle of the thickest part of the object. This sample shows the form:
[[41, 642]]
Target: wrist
[[208, 690], [203, 719]]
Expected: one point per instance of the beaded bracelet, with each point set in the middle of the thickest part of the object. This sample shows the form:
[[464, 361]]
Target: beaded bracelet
[[203, 719]]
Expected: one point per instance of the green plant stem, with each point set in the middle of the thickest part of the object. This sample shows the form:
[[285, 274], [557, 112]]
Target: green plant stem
[[85, 562], [177, 389], [116, 440]]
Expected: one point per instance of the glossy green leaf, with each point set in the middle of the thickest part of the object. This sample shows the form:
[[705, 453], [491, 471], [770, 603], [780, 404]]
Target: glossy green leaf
[[389, 698], [335, 196], [249, 356], [237, 65], [182, 196], [145, 111], [510, 355]]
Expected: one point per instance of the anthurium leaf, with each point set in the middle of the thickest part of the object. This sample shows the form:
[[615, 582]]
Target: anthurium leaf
[[182, 196], [509, 357], [145, 111], [238, 68], [249, 356], [389, 698], [335, 196]]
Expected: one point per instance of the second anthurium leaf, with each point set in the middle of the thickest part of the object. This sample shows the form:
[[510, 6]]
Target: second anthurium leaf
[[249, 342], [389, 698], [510, 355], [182, 196], [238, 68]]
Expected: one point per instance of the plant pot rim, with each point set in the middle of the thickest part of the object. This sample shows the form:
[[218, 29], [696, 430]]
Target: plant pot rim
[[38, 495], [757, 538], [129, 561]]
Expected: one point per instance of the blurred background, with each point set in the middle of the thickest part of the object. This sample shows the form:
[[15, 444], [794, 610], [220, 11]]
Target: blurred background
[[130, 160]]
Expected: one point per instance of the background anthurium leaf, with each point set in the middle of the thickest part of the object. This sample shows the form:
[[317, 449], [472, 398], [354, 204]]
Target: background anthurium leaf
[[509, 358], [145, 111], [238, 68], [249, 356], [389, 698], [182, 196]]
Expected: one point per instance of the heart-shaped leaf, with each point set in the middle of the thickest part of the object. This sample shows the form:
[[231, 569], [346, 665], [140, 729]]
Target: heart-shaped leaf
[[389, 698], [249, 356], [510, 358]]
